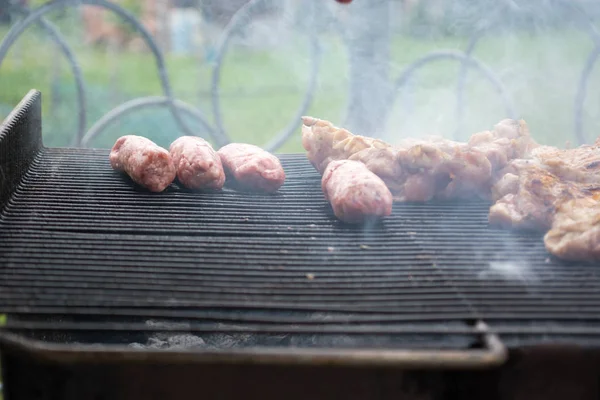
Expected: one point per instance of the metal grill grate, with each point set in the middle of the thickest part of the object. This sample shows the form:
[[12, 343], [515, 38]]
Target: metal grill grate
[[76, 233], [82, 247]]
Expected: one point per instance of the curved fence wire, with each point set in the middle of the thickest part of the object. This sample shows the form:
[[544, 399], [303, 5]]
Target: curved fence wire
[[242, 18]]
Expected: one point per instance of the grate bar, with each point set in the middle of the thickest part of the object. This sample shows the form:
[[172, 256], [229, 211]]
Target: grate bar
[[247, 328], [68, 273]]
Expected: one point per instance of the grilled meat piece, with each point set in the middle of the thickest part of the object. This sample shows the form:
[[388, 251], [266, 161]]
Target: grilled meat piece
[[447, 168], [509, 140], [418, 187], [146, 163], [532, 201], [422, 169], [508, 184], [581, 164], [252, 167], [532, 191], [556, 190], [355, 193], [325, 143], [535, 187], [575, 234], [197, 163]]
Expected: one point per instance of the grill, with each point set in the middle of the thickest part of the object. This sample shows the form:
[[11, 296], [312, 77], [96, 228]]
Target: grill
[[102, 279]]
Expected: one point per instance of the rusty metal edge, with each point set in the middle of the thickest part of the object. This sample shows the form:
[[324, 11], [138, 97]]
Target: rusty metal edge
[[494, 354]]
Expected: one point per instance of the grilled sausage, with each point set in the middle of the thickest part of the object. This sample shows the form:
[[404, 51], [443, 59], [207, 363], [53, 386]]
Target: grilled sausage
[[252, 167], [197, 163], [146, 163], [355, 193]]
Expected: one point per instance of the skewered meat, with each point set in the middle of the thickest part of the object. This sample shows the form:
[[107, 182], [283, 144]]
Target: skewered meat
[[146, 163], [252, 167], [197, 163], [422, 169], [355, 193]]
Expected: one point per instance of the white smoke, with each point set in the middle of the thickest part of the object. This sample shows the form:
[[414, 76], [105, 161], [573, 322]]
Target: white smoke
[[509, 271]]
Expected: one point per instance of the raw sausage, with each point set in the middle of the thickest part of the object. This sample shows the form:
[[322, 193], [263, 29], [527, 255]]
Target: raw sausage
[[355, 193], [146, 163], [197, 163], [252, 167]]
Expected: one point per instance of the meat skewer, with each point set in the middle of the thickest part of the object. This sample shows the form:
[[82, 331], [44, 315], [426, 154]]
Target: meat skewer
[[422, 169], [252, 167], [197, 163], [355, 193], [146, 163]]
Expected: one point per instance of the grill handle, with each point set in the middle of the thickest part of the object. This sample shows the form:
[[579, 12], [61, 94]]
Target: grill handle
[[493, 354]]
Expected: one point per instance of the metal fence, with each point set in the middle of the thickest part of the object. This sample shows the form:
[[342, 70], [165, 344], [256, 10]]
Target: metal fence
[[372, 91]]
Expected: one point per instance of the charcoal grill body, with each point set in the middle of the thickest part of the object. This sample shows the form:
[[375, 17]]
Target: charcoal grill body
[[430, 303], [554, 372]]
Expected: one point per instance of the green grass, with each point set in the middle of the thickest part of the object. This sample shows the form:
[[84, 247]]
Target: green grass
[[261, 90]]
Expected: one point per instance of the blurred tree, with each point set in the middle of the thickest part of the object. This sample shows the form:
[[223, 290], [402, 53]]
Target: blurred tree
[[127, 31], [367, 33], [5, 16]]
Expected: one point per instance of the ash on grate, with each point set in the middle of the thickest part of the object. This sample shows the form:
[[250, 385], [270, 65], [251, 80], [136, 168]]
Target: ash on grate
[[172, 342], [213, 341], [165, 340], [222, 340]]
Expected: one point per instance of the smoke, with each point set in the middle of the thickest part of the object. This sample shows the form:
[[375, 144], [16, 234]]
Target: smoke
[[267, 71], [537, 59], [511, 271]]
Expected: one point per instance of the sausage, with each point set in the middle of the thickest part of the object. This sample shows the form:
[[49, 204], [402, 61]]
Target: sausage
[[356, 194], [252, 167], [197, 163], [146, 163]]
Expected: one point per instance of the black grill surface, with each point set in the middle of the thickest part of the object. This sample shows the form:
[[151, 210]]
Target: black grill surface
[[79, 238], [81, 245]]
